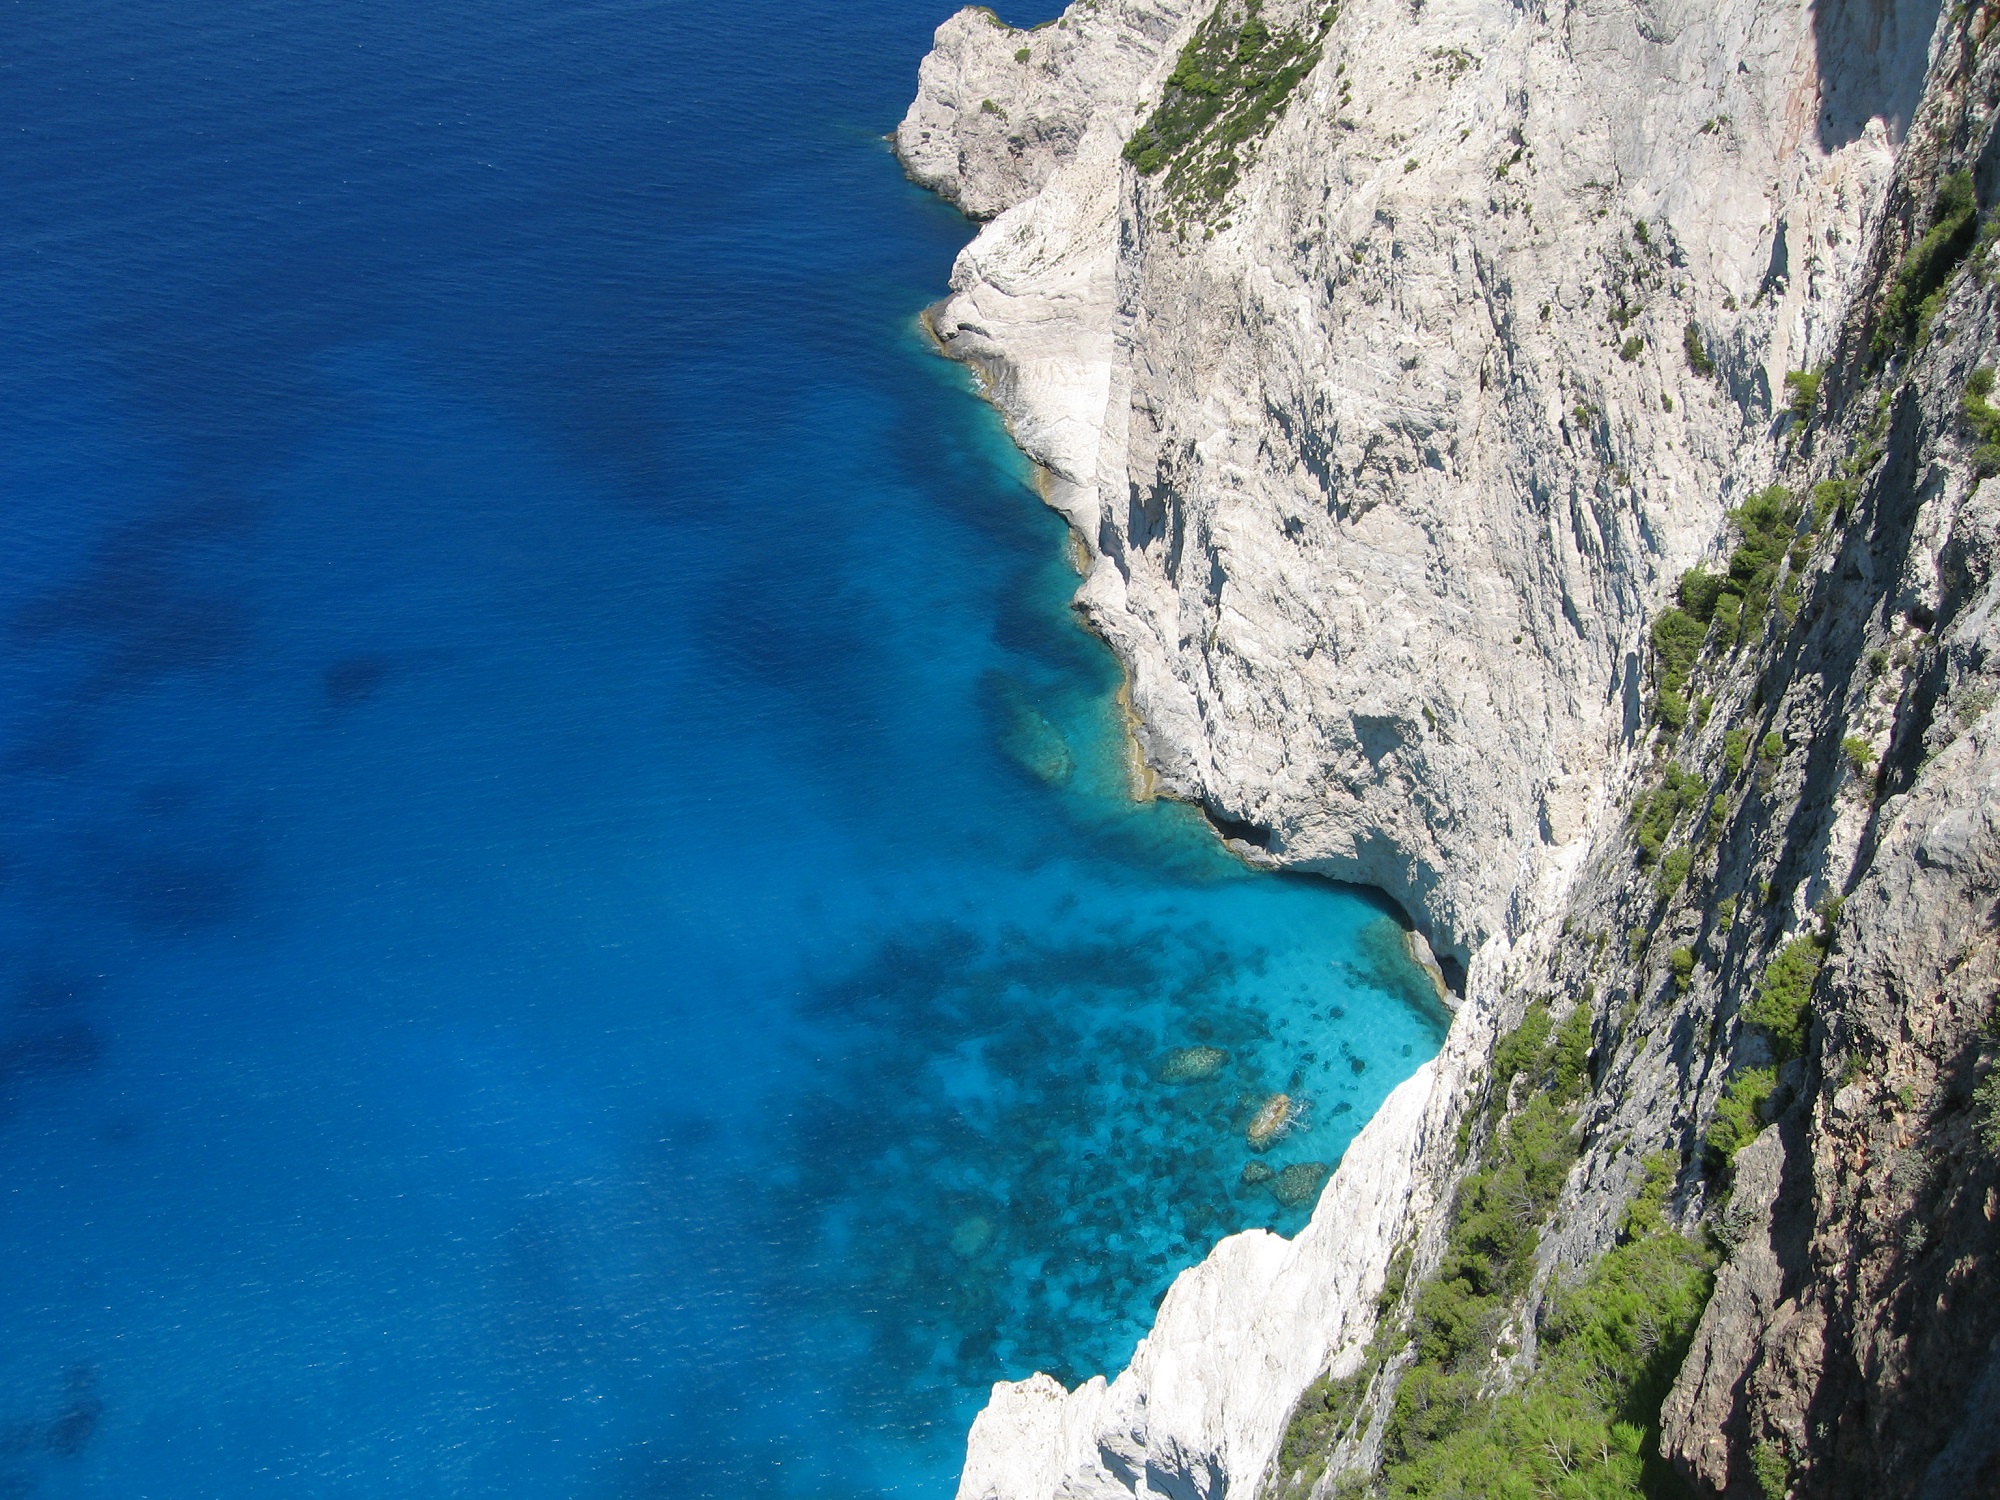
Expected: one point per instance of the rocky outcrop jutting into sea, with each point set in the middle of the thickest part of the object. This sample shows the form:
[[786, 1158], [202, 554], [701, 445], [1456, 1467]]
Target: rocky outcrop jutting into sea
[[1529, 461]]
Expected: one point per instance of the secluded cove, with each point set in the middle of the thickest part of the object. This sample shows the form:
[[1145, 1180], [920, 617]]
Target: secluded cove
[[575, 920]]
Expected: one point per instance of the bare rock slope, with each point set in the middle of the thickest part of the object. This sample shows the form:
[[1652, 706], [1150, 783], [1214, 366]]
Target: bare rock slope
[[1394, 365]]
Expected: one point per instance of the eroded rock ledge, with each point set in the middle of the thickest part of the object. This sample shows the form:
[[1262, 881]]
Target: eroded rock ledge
[[1389, 424]]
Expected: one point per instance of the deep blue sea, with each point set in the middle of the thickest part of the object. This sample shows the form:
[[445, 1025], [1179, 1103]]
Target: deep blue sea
[[571, 922]]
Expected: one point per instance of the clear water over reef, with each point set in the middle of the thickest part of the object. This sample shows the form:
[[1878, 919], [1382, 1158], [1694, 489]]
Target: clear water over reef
[[571, 920]]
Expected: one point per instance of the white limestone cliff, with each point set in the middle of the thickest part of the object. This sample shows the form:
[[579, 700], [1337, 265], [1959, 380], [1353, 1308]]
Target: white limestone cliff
[[1381, 471], [1376, 509]]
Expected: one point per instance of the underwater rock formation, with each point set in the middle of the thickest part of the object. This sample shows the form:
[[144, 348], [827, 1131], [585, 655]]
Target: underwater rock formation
[[1192, 1064], [1028, 736], [1300, 1182], [1274, 1117]]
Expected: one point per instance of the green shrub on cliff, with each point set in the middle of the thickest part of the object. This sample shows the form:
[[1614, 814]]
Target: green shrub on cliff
[[1766, 520], [1697, 352], [1833, 500], [1654, 813], [1517, 1051], [1673, 872], [1802, 389], [1735, 747], [1734, 599], [1739, 1114], [1780, 1006], [1772, 1470], [1585, 1421], [1570, 1058], [1677, 638], [1984, 420], [1986, 1104], [1698, 591], [1918, 290], [1683, 961], [1228, 88]]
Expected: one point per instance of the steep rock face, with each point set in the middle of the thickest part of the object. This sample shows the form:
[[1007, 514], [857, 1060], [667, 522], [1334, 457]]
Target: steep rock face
[[997, 110], [1853, 1332], [1373, 458], [1381, 496]]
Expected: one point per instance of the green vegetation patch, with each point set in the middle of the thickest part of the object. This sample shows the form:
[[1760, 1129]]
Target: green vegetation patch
[[1683, 961], [1226, 92], [1655, 813], [1986, 1107], [1585, 1422], [1496, 1226], [1771, 1469], [1725, 606], [1735, 745], [1918, 290], [1673, 872], [1698, 358], [1984, 420], [1802, 389], [1739, 1114], [1677, 640], [1781, 1006], [1496, 1222], [1767, 522]]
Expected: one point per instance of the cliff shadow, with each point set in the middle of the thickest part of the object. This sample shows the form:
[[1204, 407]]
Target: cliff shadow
[[1872, 56]]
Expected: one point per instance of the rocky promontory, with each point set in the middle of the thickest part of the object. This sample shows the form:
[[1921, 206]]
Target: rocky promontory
[[1530, 461]]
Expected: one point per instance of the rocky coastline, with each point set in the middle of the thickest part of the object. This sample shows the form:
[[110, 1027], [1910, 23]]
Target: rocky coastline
[[1530, 462]]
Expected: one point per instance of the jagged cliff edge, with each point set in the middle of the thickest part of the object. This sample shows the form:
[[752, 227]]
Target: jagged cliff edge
[[1391, 392]]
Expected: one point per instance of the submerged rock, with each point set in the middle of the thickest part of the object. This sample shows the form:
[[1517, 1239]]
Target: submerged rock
[[1300, 1182], [1031, 739], [971, 1236], [1272, 1121], [1255, 1172], [1192, 1064]]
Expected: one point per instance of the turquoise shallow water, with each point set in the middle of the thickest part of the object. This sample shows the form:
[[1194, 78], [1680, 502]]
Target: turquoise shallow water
[[572, 922]]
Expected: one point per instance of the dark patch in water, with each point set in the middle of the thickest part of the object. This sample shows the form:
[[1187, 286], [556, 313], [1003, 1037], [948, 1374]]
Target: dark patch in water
[[180, 863], [47, 1034], [70, 1433], [355, 680], [1028, 735], [134, 607]]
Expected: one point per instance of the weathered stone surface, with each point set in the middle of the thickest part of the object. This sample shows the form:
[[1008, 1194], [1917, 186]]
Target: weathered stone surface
[[989, 125], [1747, 1294], [1378, 511]]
